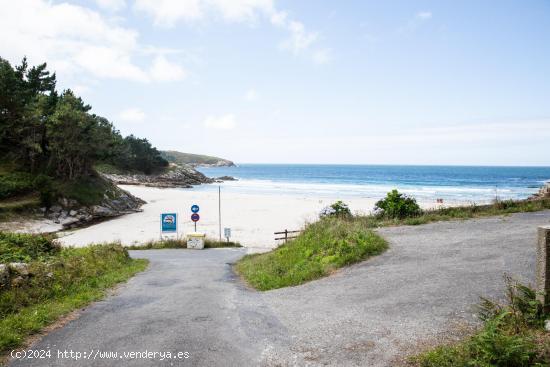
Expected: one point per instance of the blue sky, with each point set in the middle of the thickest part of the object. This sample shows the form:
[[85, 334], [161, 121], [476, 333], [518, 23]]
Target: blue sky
[[395, 82]]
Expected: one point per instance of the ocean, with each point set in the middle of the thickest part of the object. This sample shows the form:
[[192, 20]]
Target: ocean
[[452, 183]]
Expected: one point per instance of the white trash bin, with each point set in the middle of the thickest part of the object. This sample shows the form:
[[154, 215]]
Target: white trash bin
[[195, 240]]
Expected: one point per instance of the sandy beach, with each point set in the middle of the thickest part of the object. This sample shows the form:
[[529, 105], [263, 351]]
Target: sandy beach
[[252, 217]]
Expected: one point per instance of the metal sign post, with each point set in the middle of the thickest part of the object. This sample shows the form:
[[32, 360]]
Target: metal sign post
[[195, 216], [220, 212]]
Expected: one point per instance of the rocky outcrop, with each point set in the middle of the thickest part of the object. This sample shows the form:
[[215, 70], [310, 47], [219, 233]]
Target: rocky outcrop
[[115, 202], [225, 178], [175, 176], [219, 163], [544, 192], [14, 275], [195, 160]]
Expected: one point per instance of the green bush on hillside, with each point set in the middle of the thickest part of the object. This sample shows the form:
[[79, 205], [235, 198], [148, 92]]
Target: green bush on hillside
[[338, 209], [20, 247], [15, 183], [397, 206]]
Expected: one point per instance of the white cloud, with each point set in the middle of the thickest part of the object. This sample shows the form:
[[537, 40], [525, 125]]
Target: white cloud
[[224, 122], [251, 95], [108, 62], [242, 10], [424, 15], [111, 5], [164, 71], [74, 40], [167, 13], [279, 18], [132, 115], [322, 56], [299, 39], [415, 22]]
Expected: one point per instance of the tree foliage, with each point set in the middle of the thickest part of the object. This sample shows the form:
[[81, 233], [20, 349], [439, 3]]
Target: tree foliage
[[398, 206], [43, 131]]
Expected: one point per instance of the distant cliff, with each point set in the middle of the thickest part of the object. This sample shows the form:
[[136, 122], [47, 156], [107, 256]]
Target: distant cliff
[[195, 160], [174, 176]]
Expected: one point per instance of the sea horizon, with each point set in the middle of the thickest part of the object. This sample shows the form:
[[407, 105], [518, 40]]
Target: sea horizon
[[452, 183]]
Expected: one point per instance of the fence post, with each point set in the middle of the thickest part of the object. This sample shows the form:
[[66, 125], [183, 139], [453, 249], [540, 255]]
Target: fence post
[[286, 235], [543, 267]]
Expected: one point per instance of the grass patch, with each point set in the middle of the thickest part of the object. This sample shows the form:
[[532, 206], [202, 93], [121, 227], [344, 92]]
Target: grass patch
[[19, 247], [321, 248], [181, 243], [513, 335], [59, 282], [460, 212]]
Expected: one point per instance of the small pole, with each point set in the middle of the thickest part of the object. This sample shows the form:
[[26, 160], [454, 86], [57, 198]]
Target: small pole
[[543, 267], [195, 226], [286, 235], [220, 212]]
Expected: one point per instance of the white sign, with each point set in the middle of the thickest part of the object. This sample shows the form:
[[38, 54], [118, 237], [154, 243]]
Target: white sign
[[227, 232]]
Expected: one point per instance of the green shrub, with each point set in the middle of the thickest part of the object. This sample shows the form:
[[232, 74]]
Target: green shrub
[[510, 336], [19, 247], [397, 206], [338, 209], [521, 310], [15, 183]]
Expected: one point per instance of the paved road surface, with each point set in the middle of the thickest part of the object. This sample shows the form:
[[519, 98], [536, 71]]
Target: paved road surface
[[365, 315]]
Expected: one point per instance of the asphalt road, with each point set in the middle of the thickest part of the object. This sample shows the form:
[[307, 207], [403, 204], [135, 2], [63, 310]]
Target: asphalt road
[[364, 315]]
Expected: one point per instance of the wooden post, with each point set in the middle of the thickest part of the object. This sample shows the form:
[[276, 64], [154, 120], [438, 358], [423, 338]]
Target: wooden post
[[543, 267], [286, 235]]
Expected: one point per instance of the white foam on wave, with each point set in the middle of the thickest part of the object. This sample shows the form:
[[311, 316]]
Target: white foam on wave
[[369, 190]]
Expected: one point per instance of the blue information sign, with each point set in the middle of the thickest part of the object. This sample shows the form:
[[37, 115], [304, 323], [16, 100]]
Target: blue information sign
[[168, 222], [195, 208]]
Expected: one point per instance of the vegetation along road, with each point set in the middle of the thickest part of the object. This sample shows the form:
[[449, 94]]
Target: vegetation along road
[[367, 314]]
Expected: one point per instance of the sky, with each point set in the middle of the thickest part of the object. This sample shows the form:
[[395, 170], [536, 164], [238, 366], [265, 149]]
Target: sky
[[304, 81]]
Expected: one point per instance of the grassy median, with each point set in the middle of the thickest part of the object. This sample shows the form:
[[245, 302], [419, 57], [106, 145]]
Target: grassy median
[[54, 282], [320, 249]]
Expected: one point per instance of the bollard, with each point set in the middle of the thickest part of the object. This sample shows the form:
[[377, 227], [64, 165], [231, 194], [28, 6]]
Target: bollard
[[543, 267]]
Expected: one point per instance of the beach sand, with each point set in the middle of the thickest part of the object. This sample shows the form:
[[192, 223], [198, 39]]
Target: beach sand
[[253, 218]]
